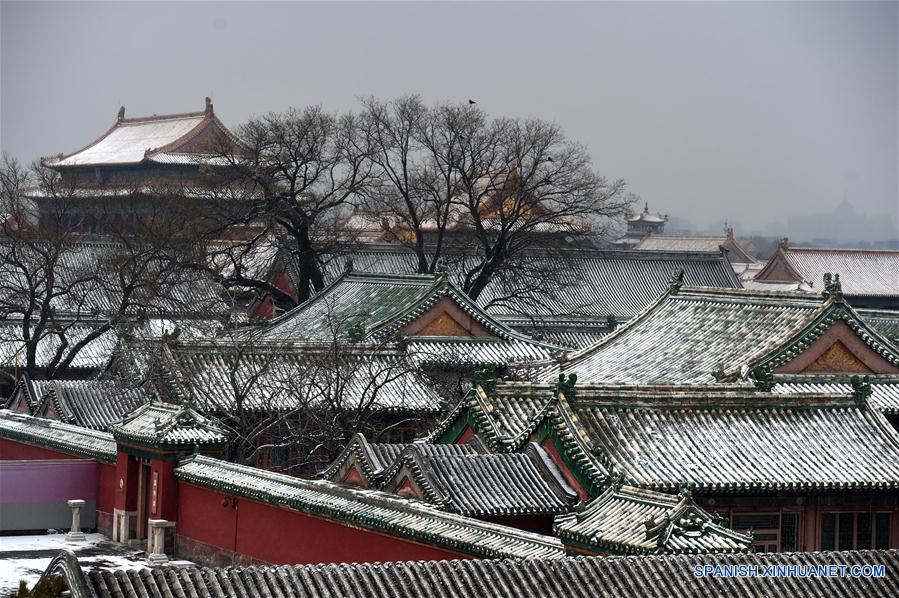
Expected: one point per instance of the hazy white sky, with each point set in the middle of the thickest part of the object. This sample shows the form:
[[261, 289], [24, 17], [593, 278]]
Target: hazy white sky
[[755, 112]]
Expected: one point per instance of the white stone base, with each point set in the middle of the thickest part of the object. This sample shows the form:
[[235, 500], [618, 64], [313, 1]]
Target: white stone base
[[157, 559], [75, 537]]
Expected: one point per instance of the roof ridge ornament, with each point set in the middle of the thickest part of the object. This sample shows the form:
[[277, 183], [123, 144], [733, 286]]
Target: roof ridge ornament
[[763, 378], [832, 287], [486, 378], [676, 281], [441, 267], [208, 109], [356, 331], [121, 116], [861, 387], [719, 373], [566, 387]]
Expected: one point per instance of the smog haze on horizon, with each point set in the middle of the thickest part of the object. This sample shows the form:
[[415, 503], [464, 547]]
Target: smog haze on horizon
[[779, 117]]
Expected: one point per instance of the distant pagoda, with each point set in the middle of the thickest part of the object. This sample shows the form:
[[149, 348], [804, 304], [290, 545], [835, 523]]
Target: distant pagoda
[[641, 225]]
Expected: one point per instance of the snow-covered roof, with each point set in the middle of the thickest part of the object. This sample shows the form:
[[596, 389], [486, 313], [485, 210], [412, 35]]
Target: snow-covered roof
[[584, 577], [160, 423], [721, 438], [863, 272], [369, 509], [130, 140], [629, 520], [164, 139], [696, 335], [57, 436]]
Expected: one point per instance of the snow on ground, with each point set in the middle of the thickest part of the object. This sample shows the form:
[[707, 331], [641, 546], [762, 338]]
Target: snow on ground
[[26, 557]]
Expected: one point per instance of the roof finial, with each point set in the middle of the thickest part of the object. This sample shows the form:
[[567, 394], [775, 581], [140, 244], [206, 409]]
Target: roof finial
[[646, 208], [441, 268], [566, 387], [208, 105], [763, 378], [348, 266], [676, 281], [832, 287], [784, 243], [121, 113], [861, 387]]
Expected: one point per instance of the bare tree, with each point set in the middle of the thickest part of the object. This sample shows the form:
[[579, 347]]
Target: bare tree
[[292, 406], [297, 172], [450, 181], [62, 291]]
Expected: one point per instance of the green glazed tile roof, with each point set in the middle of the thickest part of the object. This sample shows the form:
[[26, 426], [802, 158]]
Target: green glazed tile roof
[[688, 335], [728, 439], [738, 441], [374, 307], [164, 424], [628, 520], [885, 321]]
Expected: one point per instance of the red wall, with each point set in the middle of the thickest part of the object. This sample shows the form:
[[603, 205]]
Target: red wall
[[10, 450], [107, 483], [550, 447], [282, 536]]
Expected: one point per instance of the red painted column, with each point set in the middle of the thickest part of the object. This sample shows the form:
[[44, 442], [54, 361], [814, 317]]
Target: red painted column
[[127, 473]]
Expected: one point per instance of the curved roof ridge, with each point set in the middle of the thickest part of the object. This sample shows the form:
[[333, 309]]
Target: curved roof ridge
[[831, 310], [136, 121], [841, 250]]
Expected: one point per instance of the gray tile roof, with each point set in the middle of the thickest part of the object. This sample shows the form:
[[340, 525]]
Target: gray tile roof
[[57, 436], [689, 334], [374, 459], [277, 376], [590, 282], [588, 577], [369, 509], [481, 484], [628, 520], [734, 441], [93, 356], [87, 282], [863, 272], [461, 478], [572, 333], [88, 403], [98, 353], [884, 389], [663, 242]]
